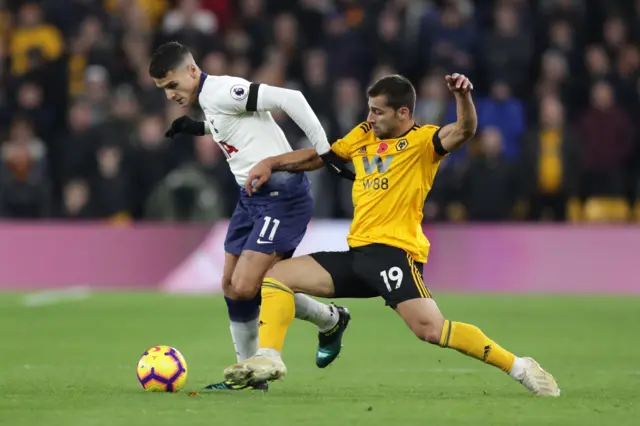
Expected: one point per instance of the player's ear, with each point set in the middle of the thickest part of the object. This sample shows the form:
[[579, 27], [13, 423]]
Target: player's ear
[[403, 112], [192, 70]]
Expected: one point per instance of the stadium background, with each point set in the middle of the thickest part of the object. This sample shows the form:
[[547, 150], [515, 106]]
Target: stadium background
[[92, 197]]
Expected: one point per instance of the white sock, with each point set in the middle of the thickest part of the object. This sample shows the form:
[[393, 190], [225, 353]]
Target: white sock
[[309, 309], [245, 338], [269, 353], [517, 369]]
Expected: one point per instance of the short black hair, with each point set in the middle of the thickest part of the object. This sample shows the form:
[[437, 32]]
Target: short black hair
[[397, 89], [167, 58]]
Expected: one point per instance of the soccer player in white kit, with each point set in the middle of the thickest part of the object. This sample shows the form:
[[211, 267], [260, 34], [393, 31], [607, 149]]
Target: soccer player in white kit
[[268, 224]]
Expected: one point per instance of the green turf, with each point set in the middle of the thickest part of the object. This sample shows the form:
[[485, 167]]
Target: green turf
[[73, 363]]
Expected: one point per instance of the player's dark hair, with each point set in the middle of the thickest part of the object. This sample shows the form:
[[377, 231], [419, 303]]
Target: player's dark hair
[[397, 89], [167, 58]]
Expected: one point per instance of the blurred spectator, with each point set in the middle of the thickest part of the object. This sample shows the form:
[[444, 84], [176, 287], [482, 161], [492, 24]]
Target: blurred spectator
[[562, 40], [507, 50], [185, 195], [139, 14], [151, 99], [30, 104], [240, 67], [24, 190], [628, 75], [220, 8], [489, 186], [346, 49], [287, 46], [122, 119], [555, 81], [112, 197], [318, 90], [238, 43], [215, 63], [549, 172], [91, 45], [76, 201], [189, 15], [191, 24], [390, 47], [33, 40], [433, 96], [152, 160], [212, 162], [311, 15], [503, 111], [256, 25], [615, 35], [452, 40], [597, 63], [349, 105], [135, 56], [73, 150], [96, 81], [606, 135]]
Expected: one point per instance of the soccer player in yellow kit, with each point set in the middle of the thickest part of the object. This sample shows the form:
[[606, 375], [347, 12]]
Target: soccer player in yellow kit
[[395, 163]]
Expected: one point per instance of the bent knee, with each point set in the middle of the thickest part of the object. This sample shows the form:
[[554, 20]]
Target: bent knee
[[428, 331], [244, 288]]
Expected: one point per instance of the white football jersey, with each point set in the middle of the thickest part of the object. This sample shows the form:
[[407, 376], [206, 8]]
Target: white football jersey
[[245, 134]]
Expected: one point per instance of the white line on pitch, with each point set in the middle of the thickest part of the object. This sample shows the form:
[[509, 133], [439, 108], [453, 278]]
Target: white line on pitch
[[54, 297]]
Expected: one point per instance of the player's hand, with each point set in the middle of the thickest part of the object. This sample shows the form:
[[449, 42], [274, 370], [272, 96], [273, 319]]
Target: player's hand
[[258, 175], [458, 83], [185, 124]]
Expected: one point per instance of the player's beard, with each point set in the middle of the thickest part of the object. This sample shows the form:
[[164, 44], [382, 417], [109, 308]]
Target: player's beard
[[382, 134], [378, 132]]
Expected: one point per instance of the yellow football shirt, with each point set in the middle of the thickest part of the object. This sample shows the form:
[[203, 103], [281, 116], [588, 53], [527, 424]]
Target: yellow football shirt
[[393, 178], [45, 38]]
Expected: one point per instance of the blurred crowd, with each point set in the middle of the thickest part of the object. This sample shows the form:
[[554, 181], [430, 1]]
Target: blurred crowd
[[557, 89]]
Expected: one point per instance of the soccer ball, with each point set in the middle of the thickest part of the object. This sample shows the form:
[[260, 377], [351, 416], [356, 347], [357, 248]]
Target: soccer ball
[[162, 369]]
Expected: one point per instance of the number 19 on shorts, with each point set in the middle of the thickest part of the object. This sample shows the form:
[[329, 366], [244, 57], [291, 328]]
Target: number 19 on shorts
[[392, 278]]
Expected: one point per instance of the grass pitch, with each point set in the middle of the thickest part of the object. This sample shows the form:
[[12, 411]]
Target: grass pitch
[[73, 363]]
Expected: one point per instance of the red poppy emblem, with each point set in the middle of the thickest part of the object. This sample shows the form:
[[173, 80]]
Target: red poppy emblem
[[382, 148]]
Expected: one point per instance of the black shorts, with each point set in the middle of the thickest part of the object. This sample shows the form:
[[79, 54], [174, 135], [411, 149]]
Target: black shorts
[[372, 271]]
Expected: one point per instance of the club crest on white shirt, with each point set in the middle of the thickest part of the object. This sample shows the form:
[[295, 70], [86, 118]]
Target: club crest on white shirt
[[239, 92]]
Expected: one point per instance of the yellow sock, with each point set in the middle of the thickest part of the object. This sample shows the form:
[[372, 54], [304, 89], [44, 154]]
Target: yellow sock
[[276, 313], [471, 341]]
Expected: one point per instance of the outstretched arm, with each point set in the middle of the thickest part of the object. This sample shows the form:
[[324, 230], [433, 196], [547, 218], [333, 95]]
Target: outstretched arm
[[454, 135], [295, 105], [263, 97], [302, 160]]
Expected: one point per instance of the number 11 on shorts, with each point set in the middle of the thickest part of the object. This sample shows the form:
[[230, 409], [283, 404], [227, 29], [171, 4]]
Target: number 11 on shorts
[[265, 228], [394, 274]]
